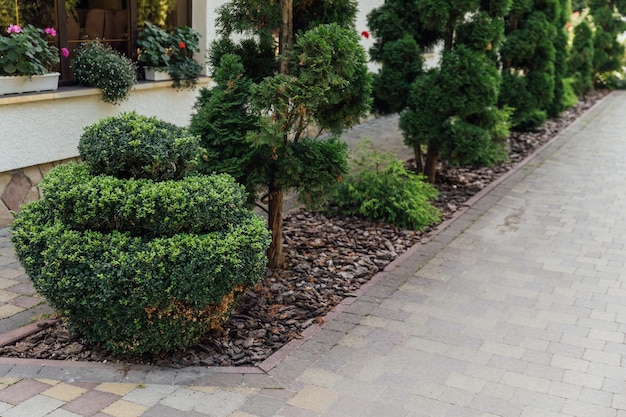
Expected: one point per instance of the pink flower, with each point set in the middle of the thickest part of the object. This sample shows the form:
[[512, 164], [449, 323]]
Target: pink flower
[[50, 31], [365, 34], [14, 29], [65, 52]]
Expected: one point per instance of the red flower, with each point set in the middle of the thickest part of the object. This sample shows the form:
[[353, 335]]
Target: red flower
[[365, 34], [182, 45]]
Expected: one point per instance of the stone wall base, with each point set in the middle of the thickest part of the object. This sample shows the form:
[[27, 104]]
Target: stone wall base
[[21, 186]]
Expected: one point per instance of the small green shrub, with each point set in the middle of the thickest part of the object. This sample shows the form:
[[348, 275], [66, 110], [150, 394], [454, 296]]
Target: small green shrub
[[380, 188], [135, 146], [98, 65], [194, 204]]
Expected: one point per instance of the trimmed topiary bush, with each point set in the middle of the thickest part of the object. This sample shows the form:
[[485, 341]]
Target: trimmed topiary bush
[[135, 146], [138, 265]]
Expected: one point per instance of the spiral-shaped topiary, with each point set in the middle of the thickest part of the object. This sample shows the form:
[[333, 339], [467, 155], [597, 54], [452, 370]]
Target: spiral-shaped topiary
[[135, 264]]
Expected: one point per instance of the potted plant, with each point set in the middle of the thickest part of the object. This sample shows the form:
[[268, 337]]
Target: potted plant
[[27, 60], [97, 65], [167, 56]]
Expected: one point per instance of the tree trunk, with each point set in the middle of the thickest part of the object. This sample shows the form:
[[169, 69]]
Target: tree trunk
[[430, 168], [419, 159], [286, 33], [275, 256]]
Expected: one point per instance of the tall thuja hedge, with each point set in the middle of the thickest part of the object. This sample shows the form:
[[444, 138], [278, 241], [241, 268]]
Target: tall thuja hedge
[[608, 52], [529, 61], [317, 83], [136, 251], [452, 109]]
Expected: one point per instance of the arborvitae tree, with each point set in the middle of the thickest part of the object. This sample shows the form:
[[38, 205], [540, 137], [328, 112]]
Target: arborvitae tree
[[322, 83], [580, 64], [222, 120], [560, 59], [452, 109], [608, 52], [528, 61]]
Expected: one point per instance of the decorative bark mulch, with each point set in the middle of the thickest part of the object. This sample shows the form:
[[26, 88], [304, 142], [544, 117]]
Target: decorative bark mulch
[[330, 258]]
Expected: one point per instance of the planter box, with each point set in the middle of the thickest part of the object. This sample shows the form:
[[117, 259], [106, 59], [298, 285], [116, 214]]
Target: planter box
[[156, 74], [25, 84]]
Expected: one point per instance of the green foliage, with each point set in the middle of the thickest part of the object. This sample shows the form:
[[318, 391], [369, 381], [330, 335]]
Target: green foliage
[[256, 22], [140, 262], [222, 119], [154, 43], [26, 52], [380, 188], [533, 60], [581, 59], [329, 59], [402, 64], [136, 295], [173, 52], [195, 204], [399, 39], [453, 108], [130, 145], [608, 52], [96, 64]]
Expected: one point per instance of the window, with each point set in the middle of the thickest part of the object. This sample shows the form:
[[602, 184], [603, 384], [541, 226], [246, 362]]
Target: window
[[115, 22]]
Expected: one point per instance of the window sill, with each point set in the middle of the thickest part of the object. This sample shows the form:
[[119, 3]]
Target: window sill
[[78, 91]]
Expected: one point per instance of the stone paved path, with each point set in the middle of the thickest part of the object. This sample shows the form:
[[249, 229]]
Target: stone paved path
[[517, 309]]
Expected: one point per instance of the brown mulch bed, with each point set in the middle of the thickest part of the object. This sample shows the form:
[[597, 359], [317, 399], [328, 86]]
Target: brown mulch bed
[[331, 257]]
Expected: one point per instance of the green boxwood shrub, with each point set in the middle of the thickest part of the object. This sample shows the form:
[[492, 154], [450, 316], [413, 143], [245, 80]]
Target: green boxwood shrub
[[194, 204], [380, 188], [135, 146], [138, 265]]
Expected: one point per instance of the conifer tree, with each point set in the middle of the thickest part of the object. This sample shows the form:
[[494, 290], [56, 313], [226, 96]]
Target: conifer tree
[[608, 52], [318, 80], [451, 110], [529, 61], [580, 64], [560, 58]]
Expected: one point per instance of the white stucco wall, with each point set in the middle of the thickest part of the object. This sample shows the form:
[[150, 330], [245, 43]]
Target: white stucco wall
[[38, 132]]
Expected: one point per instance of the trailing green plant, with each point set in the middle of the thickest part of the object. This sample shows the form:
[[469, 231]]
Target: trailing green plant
[[380, 188], [131, 145], [96, 64], [140, 265]]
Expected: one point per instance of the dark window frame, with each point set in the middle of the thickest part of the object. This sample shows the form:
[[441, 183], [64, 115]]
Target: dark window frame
[[131, 42]]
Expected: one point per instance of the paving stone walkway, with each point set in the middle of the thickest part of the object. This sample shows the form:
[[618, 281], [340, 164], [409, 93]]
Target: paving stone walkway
[[516, 309]]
